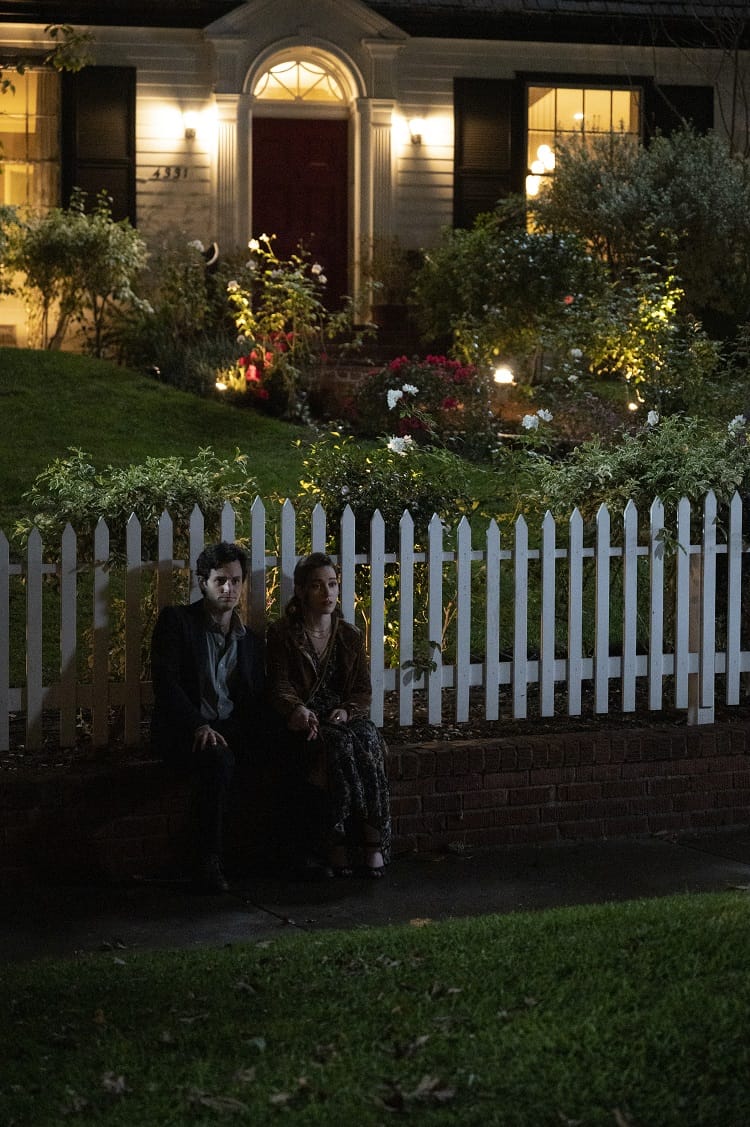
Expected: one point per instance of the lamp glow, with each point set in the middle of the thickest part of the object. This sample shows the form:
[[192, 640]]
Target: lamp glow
[[416, 129], [503, 375]]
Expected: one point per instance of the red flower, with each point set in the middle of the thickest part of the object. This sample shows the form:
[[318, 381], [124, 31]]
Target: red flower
[[448, 403], [568, 299]]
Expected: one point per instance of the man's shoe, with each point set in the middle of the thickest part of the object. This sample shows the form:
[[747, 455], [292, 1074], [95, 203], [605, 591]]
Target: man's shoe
[[209, 876]]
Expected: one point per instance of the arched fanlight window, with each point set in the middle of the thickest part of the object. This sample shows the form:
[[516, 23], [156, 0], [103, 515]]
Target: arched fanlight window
[[298, 80]]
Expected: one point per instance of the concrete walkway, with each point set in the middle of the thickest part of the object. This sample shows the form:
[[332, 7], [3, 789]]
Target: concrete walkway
[[68, 921]]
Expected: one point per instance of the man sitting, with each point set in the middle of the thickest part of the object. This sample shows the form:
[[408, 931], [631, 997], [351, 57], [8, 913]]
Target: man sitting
[[207, 672]]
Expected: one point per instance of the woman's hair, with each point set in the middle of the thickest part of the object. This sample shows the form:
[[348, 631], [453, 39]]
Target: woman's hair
[[302, 572]]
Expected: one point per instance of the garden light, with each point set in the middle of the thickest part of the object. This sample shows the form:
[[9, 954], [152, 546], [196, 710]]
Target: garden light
[[633, 406], [503, 376]]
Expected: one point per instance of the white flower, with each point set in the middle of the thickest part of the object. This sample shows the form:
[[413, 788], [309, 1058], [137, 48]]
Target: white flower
[[232, 287], [322, 279], [394, 394], [652, 418], [736, 424], [409, 389], [254, 245], [573, 378], [576, 353], [196, 244], [400, 445], [316, 268], [344, 490], [530, 422], [545, 415]]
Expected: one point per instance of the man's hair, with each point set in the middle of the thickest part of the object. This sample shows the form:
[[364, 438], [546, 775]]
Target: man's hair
[[215, 556]]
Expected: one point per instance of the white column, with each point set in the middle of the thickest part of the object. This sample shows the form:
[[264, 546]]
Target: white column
[[232, 172], [377, 167]]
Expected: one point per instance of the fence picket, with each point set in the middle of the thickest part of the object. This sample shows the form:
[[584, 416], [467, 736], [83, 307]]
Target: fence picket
[[34, 682], [575, 612], [699, 610], [133, 634], [435, 618], [734, 600], [463, 620], [520, 618], [347, 563], [197, 542], [602, 555], [406, 619], [100, 645], [227, 523], [656, 606], [684, 567], [164, 565], [708, 610], [68, 635], [548, 619], [492, 638], [258, 569], [377, 615], [629, 605]]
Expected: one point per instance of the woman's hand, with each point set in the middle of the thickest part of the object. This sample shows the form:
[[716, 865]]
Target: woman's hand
[[304, 720]]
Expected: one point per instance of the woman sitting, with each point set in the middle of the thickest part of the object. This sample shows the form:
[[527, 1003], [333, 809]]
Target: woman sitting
[[319, 682]]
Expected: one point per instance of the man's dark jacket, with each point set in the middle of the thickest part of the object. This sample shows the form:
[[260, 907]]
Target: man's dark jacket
[[178, 650]]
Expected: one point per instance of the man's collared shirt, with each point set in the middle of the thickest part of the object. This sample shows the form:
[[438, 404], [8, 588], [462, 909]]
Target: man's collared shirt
[[218, 675]]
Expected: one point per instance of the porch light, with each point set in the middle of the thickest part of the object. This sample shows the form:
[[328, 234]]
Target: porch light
[[416, 129], [503, 375], [190, 124]]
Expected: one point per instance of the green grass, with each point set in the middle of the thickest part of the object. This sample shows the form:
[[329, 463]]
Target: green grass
[[623, 1014], [51, 401]]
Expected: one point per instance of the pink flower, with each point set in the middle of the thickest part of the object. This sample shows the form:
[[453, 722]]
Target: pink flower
[[568, 299]]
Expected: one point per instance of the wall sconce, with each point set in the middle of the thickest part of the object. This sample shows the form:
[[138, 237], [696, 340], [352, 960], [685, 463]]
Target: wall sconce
[[190, 124], [416, 129]]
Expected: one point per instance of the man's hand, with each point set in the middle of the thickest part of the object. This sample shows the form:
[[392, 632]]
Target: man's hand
[[206, 736]]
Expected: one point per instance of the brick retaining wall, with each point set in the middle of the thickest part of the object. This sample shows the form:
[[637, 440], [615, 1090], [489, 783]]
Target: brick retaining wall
[[114, 822]]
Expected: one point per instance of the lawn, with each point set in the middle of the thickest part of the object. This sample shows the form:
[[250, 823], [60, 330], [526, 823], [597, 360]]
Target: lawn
[[630, 1015], [52, 401]]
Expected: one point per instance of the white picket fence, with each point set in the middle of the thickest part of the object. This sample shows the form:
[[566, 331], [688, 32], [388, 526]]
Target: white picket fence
[[515, 627]]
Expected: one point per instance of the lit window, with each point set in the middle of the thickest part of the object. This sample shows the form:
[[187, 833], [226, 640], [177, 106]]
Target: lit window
[[298, 80], [557, 113], [29, 135]]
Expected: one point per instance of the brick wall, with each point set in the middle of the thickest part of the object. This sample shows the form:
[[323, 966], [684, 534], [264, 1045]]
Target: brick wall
[[115, 822]]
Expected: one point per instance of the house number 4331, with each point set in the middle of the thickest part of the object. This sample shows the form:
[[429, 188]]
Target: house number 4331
[[170, 172]]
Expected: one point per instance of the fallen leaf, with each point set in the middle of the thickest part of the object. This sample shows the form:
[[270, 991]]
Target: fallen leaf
[[114, 1084]]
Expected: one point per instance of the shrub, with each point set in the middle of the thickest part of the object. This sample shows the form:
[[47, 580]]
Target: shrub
[[683, 199], [668, 458], [80, 267], [71, 490], [434, 400], [390, 478]]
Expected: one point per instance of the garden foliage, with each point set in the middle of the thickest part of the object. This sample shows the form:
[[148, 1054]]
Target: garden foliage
[[73, 491], [433, 400], [80, 266], [669, 458]]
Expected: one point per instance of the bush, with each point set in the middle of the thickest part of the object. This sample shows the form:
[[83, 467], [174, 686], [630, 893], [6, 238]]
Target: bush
[[71, 490], [669, 458], [434, 400], [80, 267], [683, 199], [340, 473]]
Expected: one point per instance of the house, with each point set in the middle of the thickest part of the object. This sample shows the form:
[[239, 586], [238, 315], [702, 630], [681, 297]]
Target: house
[[342, 121]]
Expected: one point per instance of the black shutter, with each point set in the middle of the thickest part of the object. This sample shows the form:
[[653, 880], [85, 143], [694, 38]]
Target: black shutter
[[669, 108], [489, 124], [98, 131]]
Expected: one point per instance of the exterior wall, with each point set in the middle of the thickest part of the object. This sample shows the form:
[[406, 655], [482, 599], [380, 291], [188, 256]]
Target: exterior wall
[[201, 186], [131, 820]]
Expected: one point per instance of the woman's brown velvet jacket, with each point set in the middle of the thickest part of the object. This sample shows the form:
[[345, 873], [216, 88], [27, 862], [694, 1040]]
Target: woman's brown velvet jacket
[[291, 673]]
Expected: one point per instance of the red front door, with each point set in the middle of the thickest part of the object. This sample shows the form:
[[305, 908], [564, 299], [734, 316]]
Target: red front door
[[300, 177]]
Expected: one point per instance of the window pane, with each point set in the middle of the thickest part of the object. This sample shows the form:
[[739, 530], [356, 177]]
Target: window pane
[[597, 111], [29, 133]]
